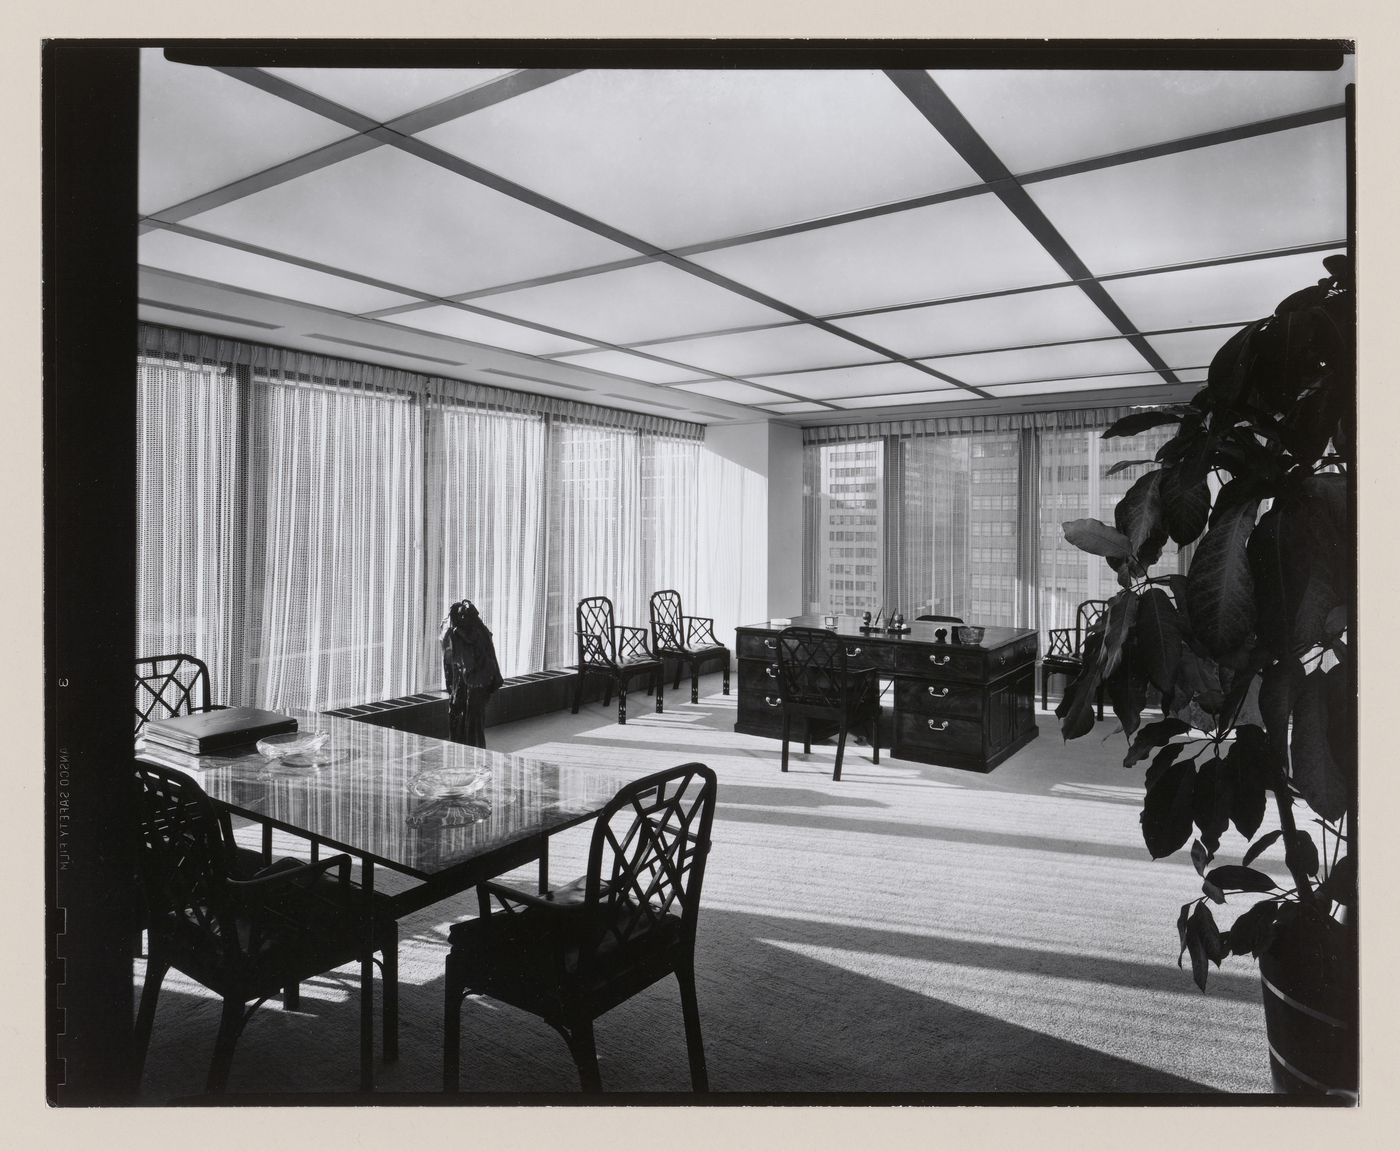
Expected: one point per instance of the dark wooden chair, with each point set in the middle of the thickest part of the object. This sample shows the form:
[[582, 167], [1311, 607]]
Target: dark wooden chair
[[688, 639], [939, 619], [245, 939], [1064, 654], [170, 685], [817, 683], [574, 953], [614, 651]]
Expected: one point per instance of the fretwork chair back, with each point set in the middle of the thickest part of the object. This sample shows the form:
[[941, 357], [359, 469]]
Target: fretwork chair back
[[245, 939], [574, 953], [688, 639], [1064, 654], [816, 682], [613, 651], [170, 685]]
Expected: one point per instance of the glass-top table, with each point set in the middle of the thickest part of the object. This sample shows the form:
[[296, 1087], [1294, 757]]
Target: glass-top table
[[449, 815]]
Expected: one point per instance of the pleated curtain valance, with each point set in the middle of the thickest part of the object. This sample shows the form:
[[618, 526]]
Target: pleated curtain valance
[[1069, 420], [289, 365]]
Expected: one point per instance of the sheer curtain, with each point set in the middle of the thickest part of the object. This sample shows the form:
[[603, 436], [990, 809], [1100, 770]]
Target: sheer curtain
[[305, 521], [487, 521]]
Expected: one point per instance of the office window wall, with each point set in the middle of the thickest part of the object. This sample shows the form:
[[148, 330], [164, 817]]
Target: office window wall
[[962, 517], [305, 521]]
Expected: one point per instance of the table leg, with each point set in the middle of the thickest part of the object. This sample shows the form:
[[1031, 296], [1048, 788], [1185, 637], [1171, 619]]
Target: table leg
[[544, 865], [367, 979], [267, 844]]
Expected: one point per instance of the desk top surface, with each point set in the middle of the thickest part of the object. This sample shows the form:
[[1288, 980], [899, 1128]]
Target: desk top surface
[[848, 627], [414, 803]]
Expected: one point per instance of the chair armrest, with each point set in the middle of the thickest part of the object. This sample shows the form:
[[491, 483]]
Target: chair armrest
[[593, 650], [302, 875], [508, 895], [701, 628]]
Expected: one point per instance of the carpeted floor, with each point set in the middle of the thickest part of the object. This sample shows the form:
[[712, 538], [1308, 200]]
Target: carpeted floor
[[911, 929]]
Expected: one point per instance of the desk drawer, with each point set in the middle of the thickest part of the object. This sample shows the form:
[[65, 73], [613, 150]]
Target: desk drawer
[[939, 698], [934, 735], [757, 678], [758, 716], [757, 645], [941, 663]]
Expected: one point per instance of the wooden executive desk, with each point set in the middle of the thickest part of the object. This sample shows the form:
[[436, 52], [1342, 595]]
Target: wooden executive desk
[[954, 705]]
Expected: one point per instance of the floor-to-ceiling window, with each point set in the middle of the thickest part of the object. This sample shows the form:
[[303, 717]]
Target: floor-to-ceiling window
[[305, 521], [962, 517]]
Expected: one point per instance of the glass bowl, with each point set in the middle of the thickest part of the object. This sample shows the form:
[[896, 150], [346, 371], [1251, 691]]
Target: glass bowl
[[970, 633], [450, 782], [301, 744]]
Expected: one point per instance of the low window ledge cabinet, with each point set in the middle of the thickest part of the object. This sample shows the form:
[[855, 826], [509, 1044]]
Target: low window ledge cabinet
[[956, 705]]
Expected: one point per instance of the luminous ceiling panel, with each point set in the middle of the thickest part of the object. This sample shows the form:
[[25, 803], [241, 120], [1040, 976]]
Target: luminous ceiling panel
[[795, 408], [1216, 295], [387, 93], [683, 156], [1038, 118], [201, 130], [958, 248], [730, 390], [1042, 363], [1191, 349], [450, 321], [173, 252], [996, 322], [767, 350], [903, 398], [1090, 384], [633, 367], [640, 303], [1252, 195], [868, 380], [398, 218]]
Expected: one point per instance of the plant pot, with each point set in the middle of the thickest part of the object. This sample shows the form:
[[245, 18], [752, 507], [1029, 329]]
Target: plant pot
[[1309, 978]]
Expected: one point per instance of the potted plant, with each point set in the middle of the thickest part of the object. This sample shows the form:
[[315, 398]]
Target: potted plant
[[1250, 655]]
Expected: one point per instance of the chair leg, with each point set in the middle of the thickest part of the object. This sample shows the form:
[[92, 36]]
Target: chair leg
[[694, 682], [291, 997], [585, 1054], [622, 702], [230, 1024], [694, 1046], [391, 997], [660, 688], [726, 674], [607, 691], [840, 750], [787, 734], [875, 737], [680, 665], [1045, 689], [1101, 701], [578, 690], [146, 1016], [451, 1035], [806, 735]]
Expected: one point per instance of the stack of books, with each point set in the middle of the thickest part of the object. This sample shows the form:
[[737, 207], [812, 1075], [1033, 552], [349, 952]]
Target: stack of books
[[213, 732]]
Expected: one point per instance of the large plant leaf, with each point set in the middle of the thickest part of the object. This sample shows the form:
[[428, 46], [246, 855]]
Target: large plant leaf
[[1127, 692], [1291, 562], [1097, 538], [1278, 689], [1117, 624], [1314, 772], [1161, 764], [1184, 508], [1248, 760], [1154, 735], [1341, 722], [1124, 465], [1253, 932], [1158, 635], [1260, 845], [1234, 878], [1135, 422], [1076, 707], [1340, 884], [1219, 587], [1166, 810], [1138, 515], [1228, 376], [1301, 853], [1204, 942], [1210, 802]]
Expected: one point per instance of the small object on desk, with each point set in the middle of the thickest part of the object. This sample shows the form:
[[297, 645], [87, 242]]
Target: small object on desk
[[897, 624], [292, 744], [970, 633], [209, 731], [940, 635]]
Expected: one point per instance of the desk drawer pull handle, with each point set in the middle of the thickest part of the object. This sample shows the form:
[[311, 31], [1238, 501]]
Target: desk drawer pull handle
[[771, 702], [1003, 660], [941, 725], [940, 660], [939, 692], [771, 644], [771, 671], [853, 651]]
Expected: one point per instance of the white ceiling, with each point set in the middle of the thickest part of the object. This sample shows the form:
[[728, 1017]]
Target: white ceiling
[[730, 245]]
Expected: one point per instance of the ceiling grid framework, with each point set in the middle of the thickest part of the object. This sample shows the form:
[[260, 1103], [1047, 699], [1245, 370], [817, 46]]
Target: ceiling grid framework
[[737, 245]]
